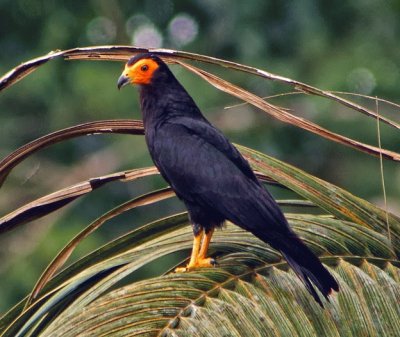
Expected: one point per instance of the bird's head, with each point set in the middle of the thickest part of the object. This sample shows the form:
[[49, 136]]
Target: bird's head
[[141, 69]]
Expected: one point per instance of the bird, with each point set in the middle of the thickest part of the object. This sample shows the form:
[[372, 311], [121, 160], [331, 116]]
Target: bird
[[210, 176]]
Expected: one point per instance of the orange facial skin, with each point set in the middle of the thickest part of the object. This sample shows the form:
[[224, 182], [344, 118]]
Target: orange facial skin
[[141, 72]]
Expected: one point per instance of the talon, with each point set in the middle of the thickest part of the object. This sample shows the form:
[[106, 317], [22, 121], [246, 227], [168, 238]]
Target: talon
[[199, 263], [198, 258], [181, 270], [205, 263]]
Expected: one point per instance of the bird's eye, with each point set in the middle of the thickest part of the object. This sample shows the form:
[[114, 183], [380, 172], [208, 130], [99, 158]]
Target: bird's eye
[[144, 67]]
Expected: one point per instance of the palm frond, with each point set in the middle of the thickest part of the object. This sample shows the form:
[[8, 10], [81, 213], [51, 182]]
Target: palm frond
[[122, 53]]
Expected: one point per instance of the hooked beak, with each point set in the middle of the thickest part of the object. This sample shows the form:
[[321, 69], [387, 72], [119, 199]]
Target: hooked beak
[[123, 80]]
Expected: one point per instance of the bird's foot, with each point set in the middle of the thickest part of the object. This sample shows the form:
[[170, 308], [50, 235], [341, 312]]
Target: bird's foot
[[199, 263]]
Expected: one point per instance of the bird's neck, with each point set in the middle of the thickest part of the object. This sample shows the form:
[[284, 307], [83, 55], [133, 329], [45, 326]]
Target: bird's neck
[[160, 103], [152, 105]]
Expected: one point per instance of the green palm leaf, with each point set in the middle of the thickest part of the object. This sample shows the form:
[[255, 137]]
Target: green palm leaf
[[250, 293]]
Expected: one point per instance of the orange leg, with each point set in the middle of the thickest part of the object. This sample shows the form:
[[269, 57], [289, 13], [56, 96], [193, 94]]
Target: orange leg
[[204, 246], [198, 258]]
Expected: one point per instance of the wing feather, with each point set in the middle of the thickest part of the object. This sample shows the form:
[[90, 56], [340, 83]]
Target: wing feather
[[203, 167]]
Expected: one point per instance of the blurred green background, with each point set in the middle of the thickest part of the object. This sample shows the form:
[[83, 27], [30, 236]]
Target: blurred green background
[[348, 46]]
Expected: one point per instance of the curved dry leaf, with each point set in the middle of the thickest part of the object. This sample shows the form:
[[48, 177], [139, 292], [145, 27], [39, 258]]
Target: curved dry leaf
[[286, 117], [123, 53], [51, 202], [121, 126]]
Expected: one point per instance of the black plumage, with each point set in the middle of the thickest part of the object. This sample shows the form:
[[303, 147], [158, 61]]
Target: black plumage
[[209, 174]]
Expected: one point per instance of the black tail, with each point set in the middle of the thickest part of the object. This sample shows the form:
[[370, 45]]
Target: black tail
[[308, 267]]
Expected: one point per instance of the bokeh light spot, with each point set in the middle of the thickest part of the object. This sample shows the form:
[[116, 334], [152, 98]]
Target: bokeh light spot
[[147, 36], [182, 29], [101, 30], [362, 81], [136, 21]]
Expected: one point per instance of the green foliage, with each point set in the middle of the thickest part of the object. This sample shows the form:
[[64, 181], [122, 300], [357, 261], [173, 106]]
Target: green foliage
[[250, 292]]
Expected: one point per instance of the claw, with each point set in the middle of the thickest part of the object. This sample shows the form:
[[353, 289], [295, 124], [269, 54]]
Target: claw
[[181, 270], [199, 263], [199, 251]]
